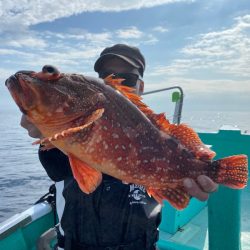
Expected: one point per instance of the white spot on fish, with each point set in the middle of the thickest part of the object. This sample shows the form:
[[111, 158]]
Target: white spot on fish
[[114, 135], [99, 138], [116, 146], [59, 110], [65, 104], [152, 160], [105, 128], [119, 158], [105, 145], [123, 147], [91, 150]]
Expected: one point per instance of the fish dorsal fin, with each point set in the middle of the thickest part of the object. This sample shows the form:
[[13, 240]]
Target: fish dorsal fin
[[68, 132], [190, 140], [184, 134], [157, 119]]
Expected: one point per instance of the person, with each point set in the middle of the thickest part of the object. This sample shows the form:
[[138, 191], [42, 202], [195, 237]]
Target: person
[[116, 215]]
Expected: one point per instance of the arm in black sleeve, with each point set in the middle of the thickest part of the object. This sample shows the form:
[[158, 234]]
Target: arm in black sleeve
[[55, 163]]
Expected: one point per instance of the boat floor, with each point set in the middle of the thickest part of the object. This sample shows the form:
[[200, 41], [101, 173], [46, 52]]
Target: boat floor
[[195, 234]]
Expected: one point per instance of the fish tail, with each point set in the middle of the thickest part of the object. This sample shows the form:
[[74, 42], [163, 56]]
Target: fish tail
[[231, 171]]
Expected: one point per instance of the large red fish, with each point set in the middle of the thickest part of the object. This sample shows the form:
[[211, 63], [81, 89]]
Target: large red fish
[[104, 128]]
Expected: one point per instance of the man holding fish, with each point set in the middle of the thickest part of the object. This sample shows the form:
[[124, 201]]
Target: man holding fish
[[116, 215]]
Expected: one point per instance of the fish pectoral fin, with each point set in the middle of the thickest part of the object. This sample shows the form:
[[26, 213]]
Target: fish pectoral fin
[[87, 178], [68, 132], [177, 197], [190, 140]]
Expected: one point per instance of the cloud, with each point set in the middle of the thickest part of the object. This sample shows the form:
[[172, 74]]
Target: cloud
[[229, 49], [194, 86], [134, 36], [23, 13], [74, 50], [128, 33], [5, 73], [160, 29], [23, 39], [221, 52]]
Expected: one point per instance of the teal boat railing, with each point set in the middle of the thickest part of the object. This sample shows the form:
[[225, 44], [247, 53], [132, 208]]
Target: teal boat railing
[[224, 206], [23, 230]]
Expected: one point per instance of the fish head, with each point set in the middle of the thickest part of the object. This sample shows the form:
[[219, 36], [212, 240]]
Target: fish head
[[53, 99]]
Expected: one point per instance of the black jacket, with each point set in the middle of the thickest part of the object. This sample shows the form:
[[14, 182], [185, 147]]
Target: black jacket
[[114, 214]]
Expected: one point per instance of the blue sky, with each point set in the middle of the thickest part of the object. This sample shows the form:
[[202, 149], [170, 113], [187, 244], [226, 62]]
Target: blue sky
[[203, 46]]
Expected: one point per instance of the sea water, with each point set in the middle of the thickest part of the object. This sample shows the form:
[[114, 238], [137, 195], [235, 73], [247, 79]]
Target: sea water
[[22, 178]]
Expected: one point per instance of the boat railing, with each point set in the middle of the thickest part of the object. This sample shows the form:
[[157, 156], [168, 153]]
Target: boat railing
[[177, 97]]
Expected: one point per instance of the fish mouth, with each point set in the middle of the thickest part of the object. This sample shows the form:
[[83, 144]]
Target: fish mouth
[[21, 91]]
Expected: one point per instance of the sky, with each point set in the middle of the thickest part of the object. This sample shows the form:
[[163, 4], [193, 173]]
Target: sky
[[202, 46]]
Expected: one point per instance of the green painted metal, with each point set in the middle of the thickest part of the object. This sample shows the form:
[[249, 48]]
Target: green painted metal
[[25, 237], [23, 221], [14, 241], [224, 206], [176, 96]]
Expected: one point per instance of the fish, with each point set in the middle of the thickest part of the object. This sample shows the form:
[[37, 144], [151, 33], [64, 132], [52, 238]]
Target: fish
[[104, 127]]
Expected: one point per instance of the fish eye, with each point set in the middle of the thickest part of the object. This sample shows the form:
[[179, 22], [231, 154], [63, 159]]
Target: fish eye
[[50, 69]]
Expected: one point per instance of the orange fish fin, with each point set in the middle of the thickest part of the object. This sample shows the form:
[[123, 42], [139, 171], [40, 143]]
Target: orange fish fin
[[87, 178], [68, 132], [157, 119], [177, 197], [160, 121], [231, 171], [190, 140]]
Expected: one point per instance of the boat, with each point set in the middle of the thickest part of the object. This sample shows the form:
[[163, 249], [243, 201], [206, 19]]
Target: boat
[[221, 223]]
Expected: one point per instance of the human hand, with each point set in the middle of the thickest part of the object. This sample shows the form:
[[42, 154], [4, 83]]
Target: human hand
[[33, 131], [201, 188]]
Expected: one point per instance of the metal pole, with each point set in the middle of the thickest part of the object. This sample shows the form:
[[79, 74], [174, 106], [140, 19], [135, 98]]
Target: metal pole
[[178, 105]]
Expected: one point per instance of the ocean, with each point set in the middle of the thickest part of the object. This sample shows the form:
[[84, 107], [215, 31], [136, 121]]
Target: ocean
[[22, 178]]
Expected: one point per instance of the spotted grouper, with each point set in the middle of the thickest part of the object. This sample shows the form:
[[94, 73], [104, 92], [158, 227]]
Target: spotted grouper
[[103, 127]]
